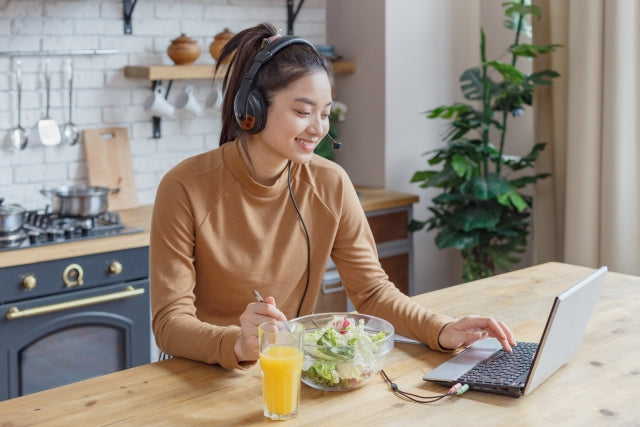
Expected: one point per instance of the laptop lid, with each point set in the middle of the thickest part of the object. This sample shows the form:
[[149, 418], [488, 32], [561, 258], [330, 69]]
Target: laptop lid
[[565, 327], [563, 333]]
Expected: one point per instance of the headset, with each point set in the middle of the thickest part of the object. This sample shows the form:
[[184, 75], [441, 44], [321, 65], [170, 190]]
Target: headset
[[249, 105]]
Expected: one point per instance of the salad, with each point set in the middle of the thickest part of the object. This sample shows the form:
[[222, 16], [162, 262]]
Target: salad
[[342, 354]]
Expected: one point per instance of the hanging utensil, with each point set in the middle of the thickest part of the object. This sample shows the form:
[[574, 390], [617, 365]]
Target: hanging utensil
[[48, 130], [70, 133], [19, 137]]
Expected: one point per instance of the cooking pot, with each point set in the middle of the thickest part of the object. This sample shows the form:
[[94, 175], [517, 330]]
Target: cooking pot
[[82, 201], [12, 217]]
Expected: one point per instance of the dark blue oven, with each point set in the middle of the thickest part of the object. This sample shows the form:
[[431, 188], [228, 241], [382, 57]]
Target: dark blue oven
[[67, 320]]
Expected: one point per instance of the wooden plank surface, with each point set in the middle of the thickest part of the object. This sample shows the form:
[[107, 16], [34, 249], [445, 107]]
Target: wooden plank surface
[[184, 72], [595, 388]]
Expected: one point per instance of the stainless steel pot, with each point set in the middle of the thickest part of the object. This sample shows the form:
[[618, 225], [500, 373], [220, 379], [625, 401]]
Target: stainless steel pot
[[82, 201], [12, 218]]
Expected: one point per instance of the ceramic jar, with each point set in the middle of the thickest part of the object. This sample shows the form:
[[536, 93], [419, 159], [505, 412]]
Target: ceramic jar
[[183, 50], [219, 40]]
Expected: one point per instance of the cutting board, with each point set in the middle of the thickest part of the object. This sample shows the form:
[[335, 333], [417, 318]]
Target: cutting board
[[109, 164]]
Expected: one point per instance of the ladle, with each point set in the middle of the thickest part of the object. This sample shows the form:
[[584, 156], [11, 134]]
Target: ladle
[[70, 132], [19, 137]]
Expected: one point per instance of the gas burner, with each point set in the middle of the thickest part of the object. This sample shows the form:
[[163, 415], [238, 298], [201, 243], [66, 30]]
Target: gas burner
[[43, 227], [12, 240]]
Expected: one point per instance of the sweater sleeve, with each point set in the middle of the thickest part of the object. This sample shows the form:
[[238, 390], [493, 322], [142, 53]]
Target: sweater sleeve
[[368, 286], [177, 329]]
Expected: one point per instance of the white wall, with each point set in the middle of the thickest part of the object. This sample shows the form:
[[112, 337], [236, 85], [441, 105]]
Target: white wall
[[103, 96], [409, 55]]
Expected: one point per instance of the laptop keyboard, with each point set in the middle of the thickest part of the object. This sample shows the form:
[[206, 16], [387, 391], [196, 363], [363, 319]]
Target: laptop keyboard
[[503, 368]]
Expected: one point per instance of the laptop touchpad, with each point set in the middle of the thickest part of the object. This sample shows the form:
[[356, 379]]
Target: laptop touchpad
[[458, 365]]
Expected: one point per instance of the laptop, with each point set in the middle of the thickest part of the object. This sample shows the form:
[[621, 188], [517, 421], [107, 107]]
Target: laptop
[[534, 362]]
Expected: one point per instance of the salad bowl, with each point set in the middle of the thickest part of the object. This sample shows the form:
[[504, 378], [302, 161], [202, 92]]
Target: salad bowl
[[343, 351]]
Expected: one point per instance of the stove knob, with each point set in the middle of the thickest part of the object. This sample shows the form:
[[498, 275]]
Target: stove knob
[[115, 268], [29, 281]]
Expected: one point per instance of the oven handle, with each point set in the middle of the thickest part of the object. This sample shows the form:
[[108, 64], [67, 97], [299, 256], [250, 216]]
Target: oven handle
[[16, 313]]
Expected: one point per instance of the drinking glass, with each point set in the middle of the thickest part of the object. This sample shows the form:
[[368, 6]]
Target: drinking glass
[[281, 364]]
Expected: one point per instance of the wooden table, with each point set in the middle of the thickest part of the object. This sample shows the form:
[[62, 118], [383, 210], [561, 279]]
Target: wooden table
[[597, 387]]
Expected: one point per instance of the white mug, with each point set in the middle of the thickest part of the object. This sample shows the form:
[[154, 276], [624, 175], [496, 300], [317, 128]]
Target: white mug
[[157, 105], [186, 101], [214, 99]]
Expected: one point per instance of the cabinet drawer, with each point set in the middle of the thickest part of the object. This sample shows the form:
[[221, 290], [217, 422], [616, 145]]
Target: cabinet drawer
[[389, 226]]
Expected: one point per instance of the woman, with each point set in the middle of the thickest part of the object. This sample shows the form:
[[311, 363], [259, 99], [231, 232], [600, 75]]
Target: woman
[[262, 212]]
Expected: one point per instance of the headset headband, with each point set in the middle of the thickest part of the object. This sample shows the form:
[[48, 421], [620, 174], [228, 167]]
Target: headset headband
[[248, 81]]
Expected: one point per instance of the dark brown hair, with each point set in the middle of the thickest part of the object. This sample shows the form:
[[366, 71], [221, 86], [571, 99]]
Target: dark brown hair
[[286, 66]]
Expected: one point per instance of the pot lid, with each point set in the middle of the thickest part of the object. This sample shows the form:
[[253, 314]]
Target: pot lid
[[11, 209], [184, 39]]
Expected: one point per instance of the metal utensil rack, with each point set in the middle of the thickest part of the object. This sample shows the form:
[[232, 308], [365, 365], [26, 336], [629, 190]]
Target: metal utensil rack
[[59, 52]]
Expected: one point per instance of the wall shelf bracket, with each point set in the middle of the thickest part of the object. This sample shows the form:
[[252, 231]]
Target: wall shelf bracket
[[156, 121], [127, 11], [291, 14]]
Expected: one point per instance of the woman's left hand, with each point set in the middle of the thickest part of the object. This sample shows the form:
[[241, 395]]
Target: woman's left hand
[[469, 329]]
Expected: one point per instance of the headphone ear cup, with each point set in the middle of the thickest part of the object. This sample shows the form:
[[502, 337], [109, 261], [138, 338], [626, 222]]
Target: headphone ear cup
[[255, 112]]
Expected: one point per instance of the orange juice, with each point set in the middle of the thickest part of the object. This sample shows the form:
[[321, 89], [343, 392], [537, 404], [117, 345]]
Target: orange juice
[[281, 368]]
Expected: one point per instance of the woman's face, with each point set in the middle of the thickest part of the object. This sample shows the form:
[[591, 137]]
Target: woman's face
[[297, 120]]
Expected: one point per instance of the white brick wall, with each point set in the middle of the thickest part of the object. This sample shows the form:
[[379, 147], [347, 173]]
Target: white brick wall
[[103, 96]]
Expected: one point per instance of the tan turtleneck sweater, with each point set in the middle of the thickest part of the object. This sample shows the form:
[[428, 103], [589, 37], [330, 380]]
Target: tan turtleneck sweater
[[216, 234]]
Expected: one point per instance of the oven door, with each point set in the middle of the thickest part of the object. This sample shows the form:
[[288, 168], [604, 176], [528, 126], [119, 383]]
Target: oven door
[[60, 339]]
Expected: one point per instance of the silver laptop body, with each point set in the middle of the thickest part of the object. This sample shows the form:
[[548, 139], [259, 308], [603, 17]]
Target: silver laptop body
[[562, 336]]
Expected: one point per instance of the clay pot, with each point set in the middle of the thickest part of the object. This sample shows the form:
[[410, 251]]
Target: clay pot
[[183, 50], [219, 40]]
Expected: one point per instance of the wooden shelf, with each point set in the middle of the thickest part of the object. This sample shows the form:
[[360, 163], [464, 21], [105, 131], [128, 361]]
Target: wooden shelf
[[186, 72]]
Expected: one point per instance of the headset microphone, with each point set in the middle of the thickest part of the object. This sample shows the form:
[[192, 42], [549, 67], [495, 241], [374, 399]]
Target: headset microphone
[[336, 144]]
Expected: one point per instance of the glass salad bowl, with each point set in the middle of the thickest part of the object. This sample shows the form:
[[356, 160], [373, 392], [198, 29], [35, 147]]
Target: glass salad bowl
[[343, 351]]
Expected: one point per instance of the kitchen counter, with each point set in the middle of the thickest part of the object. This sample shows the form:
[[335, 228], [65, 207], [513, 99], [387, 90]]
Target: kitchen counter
[[371, 199], [594, 388]]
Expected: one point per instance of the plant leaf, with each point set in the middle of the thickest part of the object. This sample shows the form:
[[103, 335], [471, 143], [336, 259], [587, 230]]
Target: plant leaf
[[449, 237], [497, 185], [543, 77], [476, 217], [532, 50], [471, 86], [508, 72]]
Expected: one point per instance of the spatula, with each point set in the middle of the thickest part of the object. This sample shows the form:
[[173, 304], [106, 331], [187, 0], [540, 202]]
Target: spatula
[[48, 130]]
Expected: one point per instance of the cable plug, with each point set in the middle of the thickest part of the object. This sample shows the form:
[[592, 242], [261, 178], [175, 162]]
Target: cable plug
[[462, 389], [454, 388]]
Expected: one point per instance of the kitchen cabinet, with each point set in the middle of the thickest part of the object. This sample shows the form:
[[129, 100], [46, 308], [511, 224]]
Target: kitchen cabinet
[[388, 214]]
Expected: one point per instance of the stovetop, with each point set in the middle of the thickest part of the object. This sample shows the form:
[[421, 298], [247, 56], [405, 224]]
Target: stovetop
[[43, 227]]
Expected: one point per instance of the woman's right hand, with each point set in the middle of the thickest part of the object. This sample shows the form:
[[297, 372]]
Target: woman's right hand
[[256, 313]]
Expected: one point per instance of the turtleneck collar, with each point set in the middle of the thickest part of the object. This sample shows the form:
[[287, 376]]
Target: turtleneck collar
[[236, 166]]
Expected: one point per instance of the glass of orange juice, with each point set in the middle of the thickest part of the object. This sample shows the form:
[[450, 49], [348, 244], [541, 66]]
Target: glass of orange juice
[[281, 364]]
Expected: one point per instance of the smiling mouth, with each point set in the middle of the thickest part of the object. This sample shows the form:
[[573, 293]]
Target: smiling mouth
[[307, 145]]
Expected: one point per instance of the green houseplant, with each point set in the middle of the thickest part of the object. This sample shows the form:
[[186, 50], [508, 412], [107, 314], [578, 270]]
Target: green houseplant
[[481, 209]]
